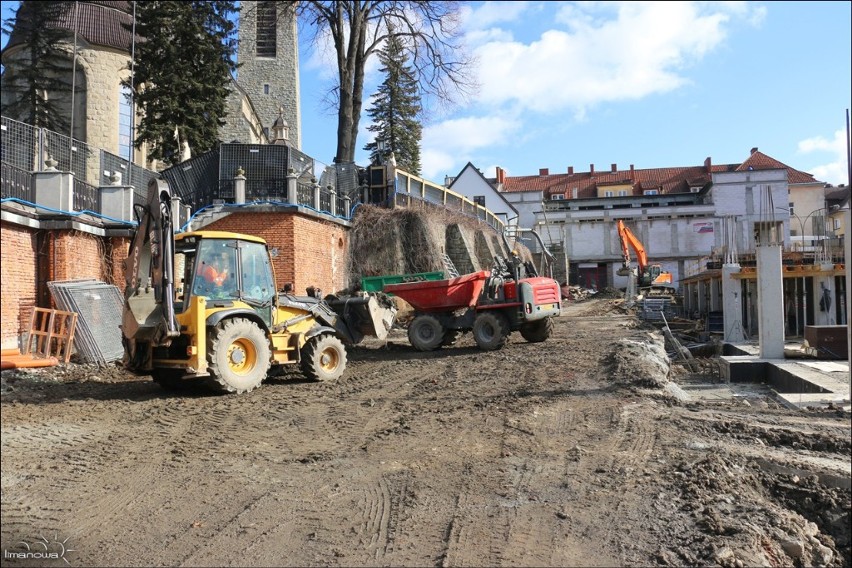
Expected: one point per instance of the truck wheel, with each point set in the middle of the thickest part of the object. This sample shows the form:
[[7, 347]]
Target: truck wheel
[[323, 358], [425, 333], [168, 379], [238, 355], [490, 330], [537, 331]]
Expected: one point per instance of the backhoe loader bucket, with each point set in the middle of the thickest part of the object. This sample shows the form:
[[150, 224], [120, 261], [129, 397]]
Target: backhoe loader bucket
[[365, 315], [623, 271]]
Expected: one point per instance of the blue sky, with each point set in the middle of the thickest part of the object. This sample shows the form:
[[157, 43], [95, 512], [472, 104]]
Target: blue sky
[[653, 84]]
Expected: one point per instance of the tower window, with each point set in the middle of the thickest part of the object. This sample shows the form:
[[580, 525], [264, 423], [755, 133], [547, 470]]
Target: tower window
[[125, 121], [266, 29], [266, 89]]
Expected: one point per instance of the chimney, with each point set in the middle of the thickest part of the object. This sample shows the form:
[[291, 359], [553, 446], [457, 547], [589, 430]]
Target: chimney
[[570, 170], [543, 171], [632, 173], [707, 164], [501, 175], [592, 169], [753, 150], [614, 168]]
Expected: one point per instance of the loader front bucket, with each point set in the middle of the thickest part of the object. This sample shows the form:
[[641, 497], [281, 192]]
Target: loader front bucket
[[365, 315]]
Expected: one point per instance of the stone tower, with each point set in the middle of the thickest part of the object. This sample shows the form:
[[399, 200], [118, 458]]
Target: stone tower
[[268, 75]]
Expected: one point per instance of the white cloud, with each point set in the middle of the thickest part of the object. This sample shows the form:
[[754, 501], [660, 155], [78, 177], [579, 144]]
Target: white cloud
[[452, 142], [608, 52], [835, 172]]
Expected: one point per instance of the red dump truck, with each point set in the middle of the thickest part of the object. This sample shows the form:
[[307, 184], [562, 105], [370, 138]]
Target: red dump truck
[[491, 304]]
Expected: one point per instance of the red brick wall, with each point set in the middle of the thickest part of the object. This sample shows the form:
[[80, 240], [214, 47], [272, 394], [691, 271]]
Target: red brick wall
[[18, 276], [311, 252], [68, 255]]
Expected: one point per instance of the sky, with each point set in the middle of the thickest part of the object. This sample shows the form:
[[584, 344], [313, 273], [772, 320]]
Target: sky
[[649, 84]]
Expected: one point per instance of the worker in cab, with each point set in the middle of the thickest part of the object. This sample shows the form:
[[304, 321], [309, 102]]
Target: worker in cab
[[216, 279]]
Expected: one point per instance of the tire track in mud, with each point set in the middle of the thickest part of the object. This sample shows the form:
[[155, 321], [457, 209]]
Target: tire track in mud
[[382, 506]]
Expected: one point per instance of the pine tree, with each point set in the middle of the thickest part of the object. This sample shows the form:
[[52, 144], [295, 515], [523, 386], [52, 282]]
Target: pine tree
[[39, 74], [182, 75], [395, 111]]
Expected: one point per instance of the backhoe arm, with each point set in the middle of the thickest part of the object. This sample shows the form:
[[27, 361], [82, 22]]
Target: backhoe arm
[[628, 239]]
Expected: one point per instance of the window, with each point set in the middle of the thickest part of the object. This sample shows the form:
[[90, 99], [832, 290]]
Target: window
[[479, 200], [125, 120], [651, 192], [622, 192], [557, 196], [266, 89], [266, 29], [608, 194], [790, 205]]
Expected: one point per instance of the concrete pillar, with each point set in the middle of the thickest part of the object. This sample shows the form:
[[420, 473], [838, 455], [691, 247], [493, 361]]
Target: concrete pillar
[[347, 206], [54, 189], [332, 200], [824, 288], [770, 302], [239, 187], [177, 210], [117, 202], [292, 188], [316, 194], [732, 304]]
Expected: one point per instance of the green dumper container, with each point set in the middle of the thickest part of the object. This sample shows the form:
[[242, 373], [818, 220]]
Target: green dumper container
[[377, 283]]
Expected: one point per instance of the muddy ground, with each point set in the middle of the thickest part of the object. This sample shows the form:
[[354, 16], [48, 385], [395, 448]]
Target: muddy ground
[[572, 452]]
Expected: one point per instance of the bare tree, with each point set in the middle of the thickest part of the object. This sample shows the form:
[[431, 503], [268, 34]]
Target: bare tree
[[430, 32]]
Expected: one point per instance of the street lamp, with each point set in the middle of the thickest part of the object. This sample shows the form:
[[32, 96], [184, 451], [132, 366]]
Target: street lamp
[[821, 253]]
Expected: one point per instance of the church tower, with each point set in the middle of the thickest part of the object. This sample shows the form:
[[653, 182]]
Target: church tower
[[268, 55]]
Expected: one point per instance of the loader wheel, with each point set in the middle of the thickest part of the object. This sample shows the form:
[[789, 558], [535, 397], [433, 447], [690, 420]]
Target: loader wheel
[[323, 358], [238, 355], [490, 330], [425, 333], [537, 331], [168, 379]]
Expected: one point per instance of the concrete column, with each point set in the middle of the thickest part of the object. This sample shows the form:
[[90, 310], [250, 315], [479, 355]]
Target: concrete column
[[292, 188], [770, 302], [824, 288], [54, 189], [732, 304], [117, 202], [347, 205], [332, 200], [239, 187]]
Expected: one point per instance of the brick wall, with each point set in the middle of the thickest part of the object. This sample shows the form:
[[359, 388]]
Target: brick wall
[[65, 255], [311, 252], [18, 268]]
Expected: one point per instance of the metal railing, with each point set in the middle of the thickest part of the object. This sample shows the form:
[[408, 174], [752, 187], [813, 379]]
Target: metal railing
[[86, 197], [16, 183], [408, 187]]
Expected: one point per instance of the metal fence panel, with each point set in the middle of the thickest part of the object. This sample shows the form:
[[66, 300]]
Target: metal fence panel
[[99, 308], [16, 183]]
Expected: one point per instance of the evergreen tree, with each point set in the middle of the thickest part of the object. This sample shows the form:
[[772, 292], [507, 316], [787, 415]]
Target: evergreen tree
[[182, 75], [395, 111], [38, 75]]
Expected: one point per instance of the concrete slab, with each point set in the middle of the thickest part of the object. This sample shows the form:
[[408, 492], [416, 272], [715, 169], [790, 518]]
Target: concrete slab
[[796, 382]]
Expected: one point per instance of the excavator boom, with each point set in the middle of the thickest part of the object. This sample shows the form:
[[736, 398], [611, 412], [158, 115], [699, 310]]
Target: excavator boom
[[627, 238]]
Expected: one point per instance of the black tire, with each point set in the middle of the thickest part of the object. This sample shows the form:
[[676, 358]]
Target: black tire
[[323, 358], [537, 331], [238, 356], [425, 333], [490, 330], [169, 379]]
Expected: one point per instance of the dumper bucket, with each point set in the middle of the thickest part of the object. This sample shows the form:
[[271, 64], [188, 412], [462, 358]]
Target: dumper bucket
[[365, 315]]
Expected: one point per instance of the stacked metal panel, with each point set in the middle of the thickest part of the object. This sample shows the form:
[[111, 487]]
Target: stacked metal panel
[[98, 307]]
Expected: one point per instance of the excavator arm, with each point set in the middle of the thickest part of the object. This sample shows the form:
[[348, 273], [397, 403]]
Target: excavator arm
[[628, 239], [149, 314]]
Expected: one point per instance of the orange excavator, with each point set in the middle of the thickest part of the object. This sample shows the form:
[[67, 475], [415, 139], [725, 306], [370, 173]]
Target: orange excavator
[[651, 278]]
